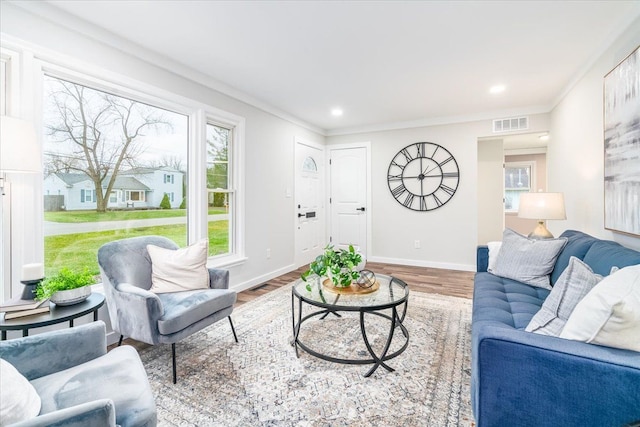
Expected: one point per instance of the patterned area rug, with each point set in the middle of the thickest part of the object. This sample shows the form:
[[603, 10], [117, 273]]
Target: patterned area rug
[[260, 381]]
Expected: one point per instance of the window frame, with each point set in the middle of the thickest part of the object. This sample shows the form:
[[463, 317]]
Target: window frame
[[532, 180], [199, 115]]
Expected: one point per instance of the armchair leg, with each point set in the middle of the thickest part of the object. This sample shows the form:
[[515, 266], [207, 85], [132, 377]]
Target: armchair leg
[[173, 357], [120, 341], [233, 329]]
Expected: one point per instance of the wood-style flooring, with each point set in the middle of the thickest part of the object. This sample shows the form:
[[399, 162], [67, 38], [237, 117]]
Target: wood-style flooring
[[422, 279]]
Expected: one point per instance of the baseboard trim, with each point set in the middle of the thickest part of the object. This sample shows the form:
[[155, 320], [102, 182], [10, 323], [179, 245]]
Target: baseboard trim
[[422, 263], [239, 287]]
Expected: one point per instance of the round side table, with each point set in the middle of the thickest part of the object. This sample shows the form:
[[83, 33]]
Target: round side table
[[57, 314]]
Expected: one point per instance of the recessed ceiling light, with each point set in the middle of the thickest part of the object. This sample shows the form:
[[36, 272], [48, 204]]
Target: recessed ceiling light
[[497, 89], [337, 112]]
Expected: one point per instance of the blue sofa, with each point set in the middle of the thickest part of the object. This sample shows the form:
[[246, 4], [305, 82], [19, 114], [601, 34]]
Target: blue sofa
[[524, 379]]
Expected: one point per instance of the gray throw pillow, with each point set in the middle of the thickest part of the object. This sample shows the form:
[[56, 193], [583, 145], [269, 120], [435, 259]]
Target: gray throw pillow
[[573, 284], [527, 260]]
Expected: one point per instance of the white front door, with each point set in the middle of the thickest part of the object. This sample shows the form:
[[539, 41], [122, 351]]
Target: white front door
[[309, 212], [349, 197]]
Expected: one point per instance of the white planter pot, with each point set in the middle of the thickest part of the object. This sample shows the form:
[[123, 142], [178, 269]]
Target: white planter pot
[[71, 296]]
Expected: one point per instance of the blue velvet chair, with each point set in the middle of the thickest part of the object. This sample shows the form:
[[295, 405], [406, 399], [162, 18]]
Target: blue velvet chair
[[164, 318], [79, 383]]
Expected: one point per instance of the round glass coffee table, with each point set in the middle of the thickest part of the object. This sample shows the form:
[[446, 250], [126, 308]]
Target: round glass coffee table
[[388, 302]]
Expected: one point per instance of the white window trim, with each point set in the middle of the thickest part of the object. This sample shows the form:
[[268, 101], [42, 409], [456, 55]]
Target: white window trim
[[199, 114], [531, 164]]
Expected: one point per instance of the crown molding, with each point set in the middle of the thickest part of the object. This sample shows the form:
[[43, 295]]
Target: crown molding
[[444, 120], [60, 18]]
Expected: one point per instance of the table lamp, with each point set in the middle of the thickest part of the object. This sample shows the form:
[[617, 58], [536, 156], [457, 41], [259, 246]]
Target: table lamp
[[541, 206]]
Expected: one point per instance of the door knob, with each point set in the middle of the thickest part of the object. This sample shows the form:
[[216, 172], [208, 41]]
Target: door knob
[[301, 215], [360, 209]]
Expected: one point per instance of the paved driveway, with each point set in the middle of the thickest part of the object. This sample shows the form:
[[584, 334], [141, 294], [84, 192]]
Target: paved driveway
[[57, 228]]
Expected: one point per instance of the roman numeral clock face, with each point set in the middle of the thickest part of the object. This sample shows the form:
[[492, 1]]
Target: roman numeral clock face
[[423, 176]]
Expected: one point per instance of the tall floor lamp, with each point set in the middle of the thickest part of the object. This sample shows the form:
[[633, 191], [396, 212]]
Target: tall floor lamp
[[541, 206], [19, 153]]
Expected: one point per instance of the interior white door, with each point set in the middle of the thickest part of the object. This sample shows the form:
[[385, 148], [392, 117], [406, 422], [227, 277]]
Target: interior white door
[[348, 198], [309, 212]]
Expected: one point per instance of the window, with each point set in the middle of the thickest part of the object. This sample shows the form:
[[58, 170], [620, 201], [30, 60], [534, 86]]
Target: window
[[114, 151], [219, 189], [309, 165], [87, 196], [135, 196], [168, 179], [518, 179]]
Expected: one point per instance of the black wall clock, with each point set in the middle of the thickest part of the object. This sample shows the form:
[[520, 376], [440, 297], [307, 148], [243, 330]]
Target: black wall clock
[[423, 176]]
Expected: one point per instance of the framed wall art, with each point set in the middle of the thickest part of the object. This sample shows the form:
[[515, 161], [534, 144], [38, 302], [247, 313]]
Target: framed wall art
[[622, 146]]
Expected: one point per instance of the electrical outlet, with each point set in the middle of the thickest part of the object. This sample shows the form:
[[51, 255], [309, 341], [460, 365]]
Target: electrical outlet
[[416, 244], [268, 253]]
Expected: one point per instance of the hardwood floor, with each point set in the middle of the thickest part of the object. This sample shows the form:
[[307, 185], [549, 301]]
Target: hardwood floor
[[422, 279]]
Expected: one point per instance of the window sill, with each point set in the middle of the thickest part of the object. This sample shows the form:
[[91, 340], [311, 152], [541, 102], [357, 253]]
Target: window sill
[[226, 262]]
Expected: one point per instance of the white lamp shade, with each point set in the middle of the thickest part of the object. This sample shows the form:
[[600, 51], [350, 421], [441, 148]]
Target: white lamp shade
[[19, 149], [542, 206]]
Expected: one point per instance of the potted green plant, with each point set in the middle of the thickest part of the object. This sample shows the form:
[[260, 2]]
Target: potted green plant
[[338, 265], [67, 287]]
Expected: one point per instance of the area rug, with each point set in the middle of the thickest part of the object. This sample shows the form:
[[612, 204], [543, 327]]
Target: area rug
[[260, 381]]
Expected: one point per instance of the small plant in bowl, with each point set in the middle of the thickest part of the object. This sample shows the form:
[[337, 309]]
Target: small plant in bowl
[[67, 287], [339, 266]]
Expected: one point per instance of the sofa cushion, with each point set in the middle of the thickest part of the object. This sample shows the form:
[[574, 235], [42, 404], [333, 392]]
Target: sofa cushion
[[610, 314], [120, 376], [505, 301], [19, 401], [527, 260], [576, 281], [578, 243], [179, 270], [182, 309], [605, 254]]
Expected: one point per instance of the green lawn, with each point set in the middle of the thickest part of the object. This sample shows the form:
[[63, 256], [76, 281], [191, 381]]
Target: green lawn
[[93, 216], [79, 251]]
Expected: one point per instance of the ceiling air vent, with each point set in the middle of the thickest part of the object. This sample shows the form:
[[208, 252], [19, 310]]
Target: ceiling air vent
[[511, 124]]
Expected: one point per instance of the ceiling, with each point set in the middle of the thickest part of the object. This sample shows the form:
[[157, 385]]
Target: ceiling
[[385, 63]]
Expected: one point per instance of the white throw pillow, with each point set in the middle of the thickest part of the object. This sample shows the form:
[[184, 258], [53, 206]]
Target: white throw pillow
[[573, 284], [180, 269], [19, 400], [610, 313], [494, 250], [527, 260]]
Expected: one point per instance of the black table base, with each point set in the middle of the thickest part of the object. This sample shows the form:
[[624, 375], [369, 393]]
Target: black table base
[[395, 320]]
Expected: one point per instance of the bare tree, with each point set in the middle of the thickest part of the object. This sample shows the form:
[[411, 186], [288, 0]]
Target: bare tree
[[173, 162], [99, 133]]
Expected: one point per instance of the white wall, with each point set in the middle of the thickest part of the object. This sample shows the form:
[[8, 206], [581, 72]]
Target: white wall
[[490, 185], [448, 235], [576, 150], [269, 144]]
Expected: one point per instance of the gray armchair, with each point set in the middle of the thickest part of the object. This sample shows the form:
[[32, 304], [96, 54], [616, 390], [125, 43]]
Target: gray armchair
[[137, 313], [79, 383]]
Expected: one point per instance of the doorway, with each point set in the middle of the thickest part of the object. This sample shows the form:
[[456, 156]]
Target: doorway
[[507, 166]]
